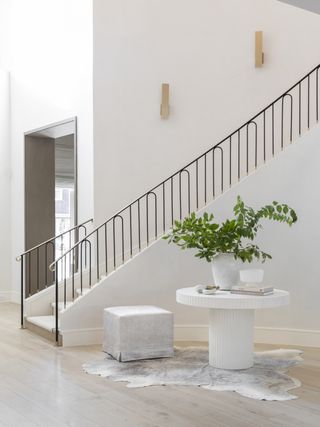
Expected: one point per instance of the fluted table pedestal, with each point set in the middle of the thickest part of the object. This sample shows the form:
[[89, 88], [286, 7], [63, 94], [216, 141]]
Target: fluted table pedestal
[[231, 338], [231, 323]]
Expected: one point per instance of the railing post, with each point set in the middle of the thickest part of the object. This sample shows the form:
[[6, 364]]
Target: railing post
[[57, 305], [97, 255], [22, 292]]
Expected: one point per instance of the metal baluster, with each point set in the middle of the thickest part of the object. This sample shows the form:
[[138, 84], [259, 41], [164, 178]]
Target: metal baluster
[[291, 115], [76, 256], [221, 167], [180, 197], [46, 265], [106, 245], [85, 251], [65, 282], [189, 196], [163, 207], [239, 154], [213, 176], [317, 94], [308, 101], [282, 101], [114, 239], [139, 225], [205, 179], [147, 218], [122, 242], [172, 201], [264, 136], [189, 199], [299, 109], [114, 243], [29, 274], [197, 184], [230, 161], [90, 264], [70, 260], [53, 257], [72, 266], [57, 305], [255, 144], [22, 296], [282, 119], [272, 124], [247, 154], [97, 254], [222, 174], [130, 228], [155, 214], [81, 267]]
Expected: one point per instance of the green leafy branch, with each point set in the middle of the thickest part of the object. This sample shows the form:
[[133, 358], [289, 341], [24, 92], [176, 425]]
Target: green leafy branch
[[211, 239]]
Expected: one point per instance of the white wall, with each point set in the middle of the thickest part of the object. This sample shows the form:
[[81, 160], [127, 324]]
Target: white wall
[[205, 50], [154, 275], [5, 211], [48, 50]]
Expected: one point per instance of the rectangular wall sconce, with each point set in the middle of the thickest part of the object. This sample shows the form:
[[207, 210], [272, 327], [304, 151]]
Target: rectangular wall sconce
[[259, 61], [164, 110]]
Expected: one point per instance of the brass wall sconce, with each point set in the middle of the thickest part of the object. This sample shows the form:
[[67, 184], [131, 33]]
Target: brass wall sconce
[[259, 57], [164, 109]]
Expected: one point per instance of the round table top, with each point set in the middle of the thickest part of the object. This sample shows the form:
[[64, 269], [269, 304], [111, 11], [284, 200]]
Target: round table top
[[227, 300]]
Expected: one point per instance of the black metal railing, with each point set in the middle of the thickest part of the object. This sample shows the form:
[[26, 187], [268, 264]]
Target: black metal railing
[[141, 222], [35, 262]]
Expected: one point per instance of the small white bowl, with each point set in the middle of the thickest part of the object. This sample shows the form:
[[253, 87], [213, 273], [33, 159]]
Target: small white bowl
[[251, 275]]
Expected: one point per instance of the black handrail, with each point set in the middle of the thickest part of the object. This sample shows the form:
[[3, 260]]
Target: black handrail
[[76, 227], [135, 221]]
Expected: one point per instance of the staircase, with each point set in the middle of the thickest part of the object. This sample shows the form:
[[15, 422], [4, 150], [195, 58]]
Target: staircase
[[101, 253], [37, 280]]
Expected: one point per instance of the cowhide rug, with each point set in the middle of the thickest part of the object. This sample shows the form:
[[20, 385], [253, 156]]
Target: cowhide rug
[[266, 380]]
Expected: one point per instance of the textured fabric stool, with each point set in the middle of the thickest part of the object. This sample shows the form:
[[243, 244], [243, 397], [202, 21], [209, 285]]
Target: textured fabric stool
[[138, 332]]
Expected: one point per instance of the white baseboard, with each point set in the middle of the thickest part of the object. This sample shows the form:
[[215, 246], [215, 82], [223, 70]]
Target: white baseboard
[[281, 336], [302, 337], [264, 335], [76, 337], [5, 296], [15, 297], [191, 332], [10, 296]]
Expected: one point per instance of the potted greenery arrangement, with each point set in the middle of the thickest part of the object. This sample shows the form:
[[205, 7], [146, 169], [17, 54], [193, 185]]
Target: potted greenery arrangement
[[230, 243]]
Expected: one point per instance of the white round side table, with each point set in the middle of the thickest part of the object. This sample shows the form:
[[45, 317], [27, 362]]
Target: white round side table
[[231, 323]]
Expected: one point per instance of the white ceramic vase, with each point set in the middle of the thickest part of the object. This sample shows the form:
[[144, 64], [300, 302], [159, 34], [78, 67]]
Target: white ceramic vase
[[225, 271]]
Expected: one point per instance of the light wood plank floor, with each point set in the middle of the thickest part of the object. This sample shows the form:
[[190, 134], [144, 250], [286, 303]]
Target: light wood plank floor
[[42, 385]]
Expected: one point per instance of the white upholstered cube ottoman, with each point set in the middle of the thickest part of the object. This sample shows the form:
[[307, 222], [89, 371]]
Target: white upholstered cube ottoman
[[138, 332]]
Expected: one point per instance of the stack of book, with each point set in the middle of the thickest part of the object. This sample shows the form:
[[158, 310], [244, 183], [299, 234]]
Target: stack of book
[[252, 290]]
